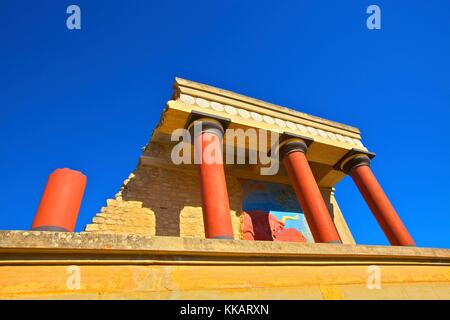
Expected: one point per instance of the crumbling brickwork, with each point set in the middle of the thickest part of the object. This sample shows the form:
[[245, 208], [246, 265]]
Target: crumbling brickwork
[[162, 202]]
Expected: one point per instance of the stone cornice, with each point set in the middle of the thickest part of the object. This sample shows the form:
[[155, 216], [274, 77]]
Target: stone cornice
[[24, 247], [255, 111], [183, 85]]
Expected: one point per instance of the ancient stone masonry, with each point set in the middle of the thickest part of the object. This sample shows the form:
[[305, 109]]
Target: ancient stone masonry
[[162, 198], [162, 202], [291, 240]]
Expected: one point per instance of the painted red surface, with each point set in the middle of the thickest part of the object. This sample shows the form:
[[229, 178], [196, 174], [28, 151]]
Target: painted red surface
[[61, 200], [381, 207], [310, 198], [260, 225], [213, 186]]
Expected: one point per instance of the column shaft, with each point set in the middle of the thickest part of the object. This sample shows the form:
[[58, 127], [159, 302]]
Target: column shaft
[[215, 204], [60, 202], [310, 198], [380, 206]]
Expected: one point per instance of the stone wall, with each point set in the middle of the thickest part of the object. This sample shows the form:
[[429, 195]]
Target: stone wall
[[119, 266], [163, 199], [162, 202]]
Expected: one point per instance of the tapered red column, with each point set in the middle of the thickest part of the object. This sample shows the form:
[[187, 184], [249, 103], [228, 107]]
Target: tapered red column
[[208, 135], [308, 194], [358, 167], [60, 202]]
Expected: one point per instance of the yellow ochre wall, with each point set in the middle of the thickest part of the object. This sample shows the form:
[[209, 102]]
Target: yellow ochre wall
[[223, 282], [111, 266]]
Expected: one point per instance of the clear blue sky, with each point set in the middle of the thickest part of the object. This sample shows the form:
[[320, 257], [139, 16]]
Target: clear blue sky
[[90, 99]]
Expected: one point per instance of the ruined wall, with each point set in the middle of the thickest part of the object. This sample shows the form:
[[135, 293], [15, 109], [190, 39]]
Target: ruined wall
[[162, 202], [163, 199]]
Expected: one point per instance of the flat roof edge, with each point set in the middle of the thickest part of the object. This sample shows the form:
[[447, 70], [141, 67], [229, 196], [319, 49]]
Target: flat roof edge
[[180, 82], [35, 242]]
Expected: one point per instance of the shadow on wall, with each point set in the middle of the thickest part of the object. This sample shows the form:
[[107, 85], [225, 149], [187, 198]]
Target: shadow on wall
[[326, 195]]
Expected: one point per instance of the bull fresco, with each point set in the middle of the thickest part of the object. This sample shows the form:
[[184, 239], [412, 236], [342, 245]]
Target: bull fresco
[[272, 213]]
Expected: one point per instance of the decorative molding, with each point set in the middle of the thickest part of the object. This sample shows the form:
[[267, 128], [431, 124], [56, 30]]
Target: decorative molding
[[269, 120], [183, 86]]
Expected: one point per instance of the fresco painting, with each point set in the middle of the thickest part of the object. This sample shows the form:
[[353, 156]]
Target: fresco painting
[[272, 213]]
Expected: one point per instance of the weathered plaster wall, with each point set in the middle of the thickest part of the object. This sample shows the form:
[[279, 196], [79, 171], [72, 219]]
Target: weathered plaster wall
[[115, 266]]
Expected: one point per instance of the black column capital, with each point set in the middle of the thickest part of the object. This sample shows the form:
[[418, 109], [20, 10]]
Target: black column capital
[[354, 158], [207, 123], [199, 122], [354, 162], [292, 145]]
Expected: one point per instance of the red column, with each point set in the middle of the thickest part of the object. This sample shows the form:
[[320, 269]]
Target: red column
[[358, 168], [215, 205], [308, 193], [60, 202]]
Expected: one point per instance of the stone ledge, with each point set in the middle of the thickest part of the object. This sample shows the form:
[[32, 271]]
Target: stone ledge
[[34, 243], [183, 84]]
